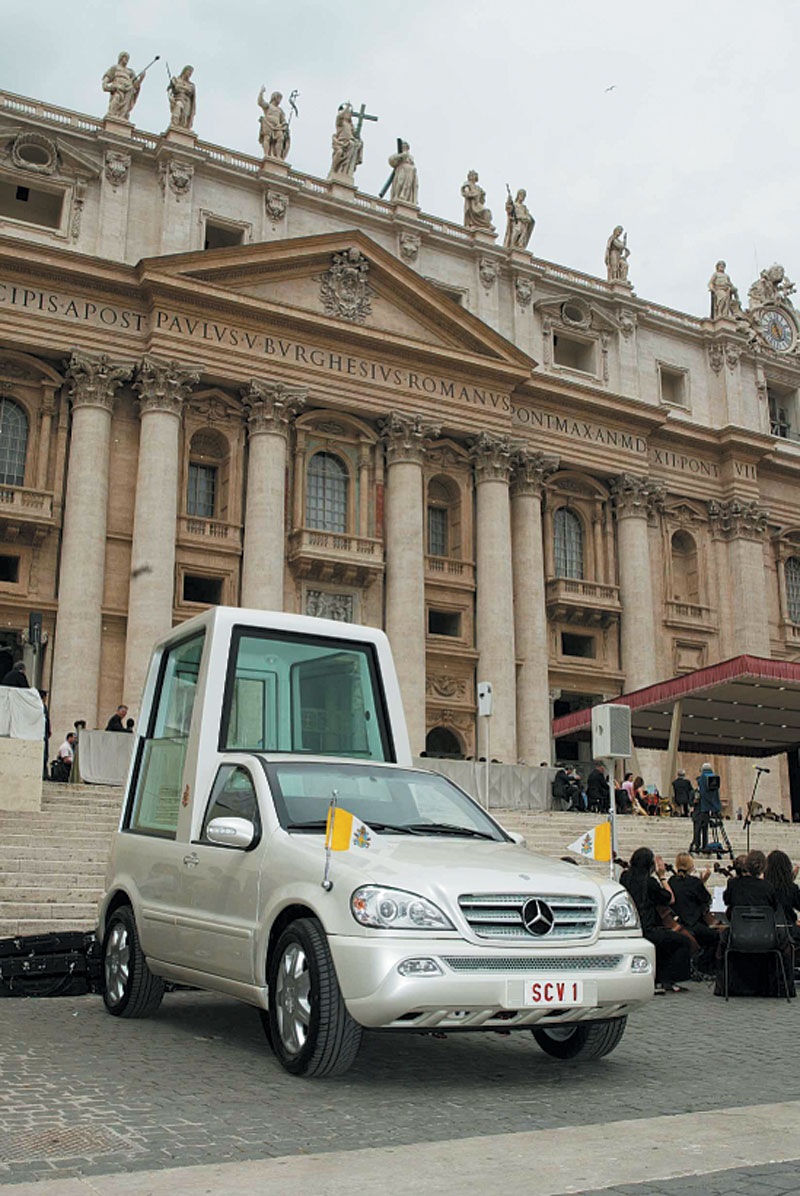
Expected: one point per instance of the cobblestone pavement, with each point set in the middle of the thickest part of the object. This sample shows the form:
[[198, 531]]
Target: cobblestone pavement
[[776, 1179], [84, 1093]]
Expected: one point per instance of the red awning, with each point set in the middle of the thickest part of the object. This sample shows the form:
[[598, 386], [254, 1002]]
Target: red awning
[[746, 706]]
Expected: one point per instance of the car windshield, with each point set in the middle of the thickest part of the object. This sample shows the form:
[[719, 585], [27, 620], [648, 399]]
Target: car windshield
[[391, 801]]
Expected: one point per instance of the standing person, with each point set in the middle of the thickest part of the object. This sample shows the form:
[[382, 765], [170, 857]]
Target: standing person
[[47, 733], [17, 677], [682, 793], [115, 723], [783, 878], [692, 908], [652, 897], [710, 804], [597, 791]]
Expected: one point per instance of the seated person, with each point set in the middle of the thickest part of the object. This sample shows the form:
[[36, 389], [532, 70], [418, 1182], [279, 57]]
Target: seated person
[[752, 975], [62, 766], [653, 899], [783, 878], [639, 796], [691, 906]]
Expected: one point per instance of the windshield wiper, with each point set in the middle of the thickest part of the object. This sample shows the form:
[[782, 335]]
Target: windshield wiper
[[319, 824], [447, 828]]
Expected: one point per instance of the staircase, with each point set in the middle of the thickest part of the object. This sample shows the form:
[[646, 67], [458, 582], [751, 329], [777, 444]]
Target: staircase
[[52, 863]]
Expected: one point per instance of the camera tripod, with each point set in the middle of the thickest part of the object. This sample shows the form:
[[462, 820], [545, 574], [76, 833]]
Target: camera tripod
[[722, 845]]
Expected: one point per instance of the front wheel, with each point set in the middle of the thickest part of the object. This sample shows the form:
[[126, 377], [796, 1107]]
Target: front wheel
[[311, 1031], [581, 1040], [129, 989]]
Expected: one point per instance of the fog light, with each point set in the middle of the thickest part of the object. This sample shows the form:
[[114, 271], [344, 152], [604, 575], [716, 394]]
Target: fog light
[[640, 964], [419, 967]]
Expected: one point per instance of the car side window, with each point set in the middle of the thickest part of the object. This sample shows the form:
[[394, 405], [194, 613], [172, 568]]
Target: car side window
[[232, 796]]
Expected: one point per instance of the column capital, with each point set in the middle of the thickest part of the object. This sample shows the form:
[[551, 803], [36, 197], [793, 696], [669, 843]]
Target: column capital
[[94, 381], [636, 496], [492, 457], [271, 406], [406, 437], [737, 519], [164, 385], [530, 471]]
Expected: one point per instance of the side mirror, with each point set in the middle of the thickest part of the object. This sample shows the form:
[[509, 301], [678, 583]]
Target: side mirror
[[515, 837], [231, 832]]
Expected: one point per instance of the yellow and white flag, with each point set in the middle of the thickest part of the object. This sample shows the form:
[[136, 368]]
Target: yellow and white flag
[[595, 844], [344, 831]]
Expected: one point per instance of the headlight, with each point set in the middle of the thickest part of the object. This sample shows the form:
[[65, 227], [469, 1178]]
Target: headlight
[[394, 909], [621, 914]]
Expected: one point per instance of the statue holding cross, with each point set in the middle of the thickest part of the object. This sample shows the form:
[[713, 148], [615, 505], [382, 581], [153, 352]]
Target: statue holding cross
[[347, 144]]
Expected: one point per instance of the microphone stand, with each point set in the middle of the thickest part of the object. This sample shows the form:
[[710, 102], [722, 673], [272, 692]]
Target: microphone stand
[[749, 816]]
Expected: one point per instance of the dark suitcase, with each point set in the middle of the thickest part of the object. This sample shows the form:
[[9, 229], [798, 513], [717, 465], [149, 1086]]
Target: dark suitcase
[[50, 965]]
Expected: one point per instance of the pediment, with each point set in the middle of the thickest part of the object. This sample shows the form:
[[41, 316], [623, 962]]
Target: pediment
[[34, 153], [576, 312], [345, 281]]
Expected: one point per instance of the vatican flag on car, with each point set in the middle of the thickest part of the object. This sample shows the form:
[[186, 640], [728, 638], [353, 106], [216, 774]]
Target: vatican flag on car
[[595, 844], [344, 831]]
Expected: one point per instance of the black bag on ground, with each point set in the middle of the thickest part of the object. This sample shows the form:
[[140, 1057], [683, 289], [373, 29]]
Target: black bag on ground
[[50, 965]]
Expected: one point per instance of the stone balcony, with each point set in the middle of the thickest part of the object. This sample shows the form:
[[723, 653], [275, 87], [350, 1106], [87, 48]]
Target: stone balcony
[[335, 556], [690, 615], [588, 603], [450, 571], [211, 533], [25, 515]]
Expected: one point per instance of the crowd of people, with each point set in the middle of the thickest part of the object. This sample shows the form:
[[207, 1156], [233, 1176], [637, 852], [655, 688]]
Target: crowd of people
[[60, 768]]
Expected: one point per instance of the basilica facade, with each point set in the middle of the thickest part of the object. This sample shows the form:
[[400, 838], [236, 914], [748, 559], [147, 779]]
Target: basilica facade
[[224, 381]]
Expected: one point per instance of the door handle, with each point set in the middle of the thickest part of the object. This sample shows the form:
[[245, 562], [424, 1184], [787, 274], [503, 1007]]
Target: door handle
[[191, 861]]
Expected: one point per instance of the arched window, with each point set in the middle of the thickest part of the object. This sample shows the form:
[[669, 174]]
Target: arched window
[[793, 588], [326, 502], [568, 537], [685, 577], [443, 742], [13, 443], [207, 454]]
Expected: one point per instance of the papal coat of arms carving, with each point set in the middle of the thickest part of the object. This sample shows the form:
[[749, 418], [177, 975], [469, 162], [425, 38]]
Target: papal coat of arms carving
[[344, 290]]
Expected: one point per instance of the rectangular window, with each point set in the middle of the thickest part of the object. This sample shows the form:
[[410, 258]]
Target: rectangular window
[[437, 531], [293, 693], [221, 236], [444, 622], [782, 402], [31, 205], [202, 492], [160, 769], [574, 354], [207, 590], [9, 569], [674, 388], [578, 645]]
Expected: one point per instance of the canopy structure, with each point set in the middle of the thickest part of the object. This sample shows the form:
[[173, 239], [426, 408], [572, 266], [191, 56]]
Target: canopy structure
[[746, 706]]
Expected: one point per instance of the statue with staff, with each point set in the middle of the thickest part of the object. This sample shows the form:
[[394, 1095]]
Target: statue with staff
[[273, 127], [519, 226], [123, 86], [403, 179], [182, 99]]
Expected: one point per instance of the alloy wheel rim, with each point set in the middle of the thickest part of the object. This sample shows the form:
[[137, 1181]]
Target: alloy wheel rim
[[117, 963], [293, 999]]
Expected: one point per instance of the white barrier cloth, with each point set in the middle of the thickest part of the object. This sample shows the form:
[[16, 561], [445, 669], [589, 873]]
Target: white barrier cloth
[[21, 713]]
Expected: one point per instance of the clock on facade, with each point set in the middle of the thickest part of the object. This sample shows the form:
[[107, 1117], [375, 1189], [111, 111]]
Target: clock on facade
[[777, 329]]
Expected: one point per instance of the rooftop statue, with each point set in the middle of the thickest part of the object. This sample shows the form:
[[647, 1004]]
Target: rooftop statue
[[724, 296], [273, 128], [476, 213], [122, 85], [405, 185], [182, 105], [347, 146], [519, 226], [617, 254], [771, 286]]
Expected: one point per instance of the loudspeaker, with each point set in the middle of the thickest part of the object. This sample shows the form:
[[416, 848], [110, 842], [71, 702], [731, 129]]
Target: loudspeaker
[[611, 732], [484, 698]]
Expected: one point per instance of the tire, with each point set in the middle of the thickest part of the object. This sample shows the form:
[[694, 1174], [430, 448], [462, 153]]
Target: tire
[[311, 1032], [581, 1040], [129, 987]]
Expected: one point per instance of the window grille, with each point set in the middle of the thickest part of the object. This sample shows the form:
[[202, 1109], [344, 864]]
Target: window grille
[[13, 443], [201, 498], [793, 588], [437, 531], [326, 502], [568, 536]]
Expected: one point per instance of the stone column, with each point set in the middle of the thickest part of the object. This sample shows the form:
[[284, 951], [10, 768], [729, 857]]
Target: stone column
[[94, 382], [530, 613], [494, 608], [163, 388], [270, 407], [635, 499], [741, 525], [405, 437]]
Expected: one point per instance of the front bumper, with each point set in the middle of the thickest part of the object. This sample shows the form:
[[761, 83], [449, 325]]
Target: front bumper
[[483, 988]]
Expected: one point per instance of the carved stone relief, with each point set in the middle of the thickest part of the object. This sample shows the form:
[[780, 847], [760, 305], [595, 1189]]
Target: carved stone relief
[[177, 176], [487, 269], [523, 289], [322, 604], [344, 289], [492, 457], [738, 518], [94, 381], [409, 246], [406, 436], [117, 167], [275, 205], [35, 152], [164, 385]]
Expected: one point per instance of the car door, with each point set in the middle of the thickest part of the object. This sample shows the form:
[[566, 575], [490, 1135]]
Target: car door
[[220, 885]]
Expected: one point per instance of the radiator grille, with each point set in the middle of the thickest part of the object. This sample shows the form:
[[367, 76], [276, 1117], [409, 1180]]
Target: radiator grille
[[500, 915], [536, 963]]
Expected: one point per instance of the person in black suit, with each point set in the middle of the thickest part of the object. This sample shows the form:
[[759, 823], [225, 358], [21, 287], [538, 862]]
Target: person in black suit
[[783, 878], [17, 678], [753, 975], [597, 791], [692, 905], [652, 897], [116, 723]]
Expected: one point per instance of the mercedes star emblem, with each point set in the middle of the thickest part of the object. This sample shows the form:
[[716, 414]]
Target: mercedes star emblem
[[537, 916]]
